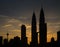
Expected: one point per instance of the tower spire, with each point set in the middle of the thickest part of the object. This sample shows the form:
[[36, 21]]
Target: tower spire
[[34, 38], [42, 18], [7, 35], [42, 29]]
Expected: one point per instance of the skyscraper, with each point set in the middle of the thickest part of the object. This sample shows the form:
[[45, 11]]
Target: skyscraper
[[42, 29], [58, 36], [34, 37], [23, 36], [58, 39], [1, 40]]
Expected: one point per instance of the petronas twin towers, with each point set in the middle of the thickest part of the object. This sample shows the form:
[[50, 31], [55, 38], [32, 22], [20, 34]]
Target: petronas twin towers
[[42, 30], [17, 42]]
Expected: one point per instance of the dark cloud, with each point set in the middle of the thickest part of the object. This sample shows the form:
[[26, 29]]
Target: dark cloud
[[14, 7], [22, 9]]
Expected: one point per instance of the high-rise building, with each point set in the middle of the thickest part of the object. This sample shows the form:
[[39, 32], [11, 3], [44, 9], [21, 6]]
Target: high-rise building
[[34, 35], [58, 39], [42, 29], [1, 39], [23, 36], [58, 36], [53, 43], [6, 42]]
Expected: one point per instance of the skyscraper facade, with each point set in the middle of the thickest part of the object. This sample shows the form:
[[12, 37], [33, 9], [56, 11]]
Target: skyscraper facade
[[42, 29], [34, 37], [58, 36], [1, 40], [23, 36]]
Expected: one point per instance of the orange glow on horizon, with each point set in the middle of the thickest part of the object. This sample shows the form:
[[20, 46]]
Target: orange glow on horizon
[[14, 31]]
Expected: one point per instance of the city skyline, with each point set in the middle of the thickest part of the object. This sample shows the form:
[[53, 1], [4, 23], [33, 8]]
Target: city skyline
[[26, 31], [11, 18], [23, 41]]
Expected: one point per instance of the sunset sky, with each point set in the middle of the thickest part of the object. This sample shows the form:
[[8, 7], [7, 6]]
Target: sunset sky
[[14, 13]]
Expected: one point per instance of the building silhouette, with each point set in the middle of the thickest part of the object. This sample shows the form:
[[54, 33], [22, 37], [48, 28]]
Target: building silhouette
[[53, 43], [23, 36], [17, 42], [34, 35], [42, 29], [5, 42], [1, 40], [58, 36], [7, 35], [22, 42]]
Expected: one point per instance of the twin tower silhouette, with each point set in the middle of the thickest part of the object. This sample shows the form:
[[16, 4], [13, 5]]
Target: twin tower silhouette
[[34, 34]]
